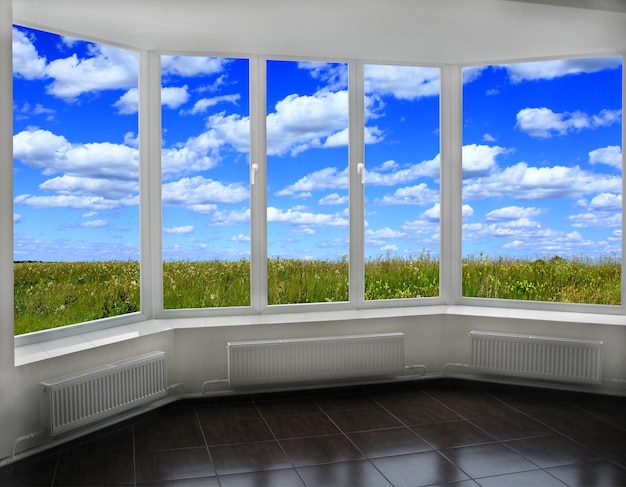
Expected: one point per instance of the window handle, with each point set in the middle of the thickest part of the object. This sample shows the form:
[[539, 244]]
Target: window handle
[[360, 169], [254, 168]]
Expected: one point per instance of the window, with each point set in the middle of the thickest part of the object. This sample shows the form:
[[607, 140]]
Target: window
[[205, 188], [401, 182], [76, 221], [307, 182], [542, 199]]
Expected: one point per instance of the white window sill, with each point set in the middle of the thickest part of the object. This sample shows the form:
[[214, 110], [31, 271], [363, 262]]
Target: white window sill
[[35, 352]]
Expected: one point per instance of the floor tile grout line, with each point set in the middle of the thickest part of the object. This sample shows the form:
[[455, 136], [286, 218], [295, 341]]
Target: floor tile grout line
[[206, 443], [279, 444]]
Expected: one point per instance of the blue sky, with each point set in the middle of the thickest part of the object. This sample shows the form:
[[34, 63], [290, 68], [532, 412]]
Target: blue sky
[[542, 156]]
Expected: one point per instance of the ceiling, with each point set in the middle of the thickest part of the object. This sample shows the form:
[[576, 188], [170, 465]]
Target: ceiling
[[412, 31]]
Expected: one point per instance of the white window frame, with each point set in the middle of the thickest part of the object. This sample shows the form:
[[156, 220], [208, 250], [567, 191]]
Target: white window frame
[[451, 122]]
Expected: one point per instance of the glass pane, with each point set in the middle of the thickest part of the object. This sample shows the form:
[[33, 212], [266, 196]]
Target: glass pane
[[307, 182], [542, 188], [75, 181], [205, 174], [401, 182]]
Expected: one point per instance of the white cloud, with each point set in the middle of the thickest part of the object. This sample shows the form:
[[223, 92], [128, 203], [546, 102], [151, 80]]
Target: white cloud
[[402, 82], [190, 66], [95, 224], [107, 68], [171, 97], [202, 195], [544, 123], [554, 69], [54, 153], [27, 63], [419, 194], [334, 75], [17, 217], [610, 155], [300, 123], [70, 201], [489, 138], [480, 160], [94, 176], [383, 233], [240, 238], [182, 230], [603, 211], [107, 188], [522, 182], [333, 200], [203, 104], [327, 178], [295, 216], [512, 213]]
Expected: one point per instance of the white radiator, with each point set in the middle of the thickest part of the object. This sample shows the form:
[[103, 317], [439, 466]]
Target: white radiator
[[85, 397], [537, 357], [315, 359]]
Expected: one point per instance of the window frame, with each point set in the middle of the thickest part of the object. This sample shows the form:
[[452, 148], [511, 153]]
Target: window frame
[[451, 122]]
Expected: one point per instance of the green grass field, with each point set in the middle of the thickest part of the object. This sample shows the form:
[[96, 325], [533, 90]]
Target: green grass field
[[53, 294]]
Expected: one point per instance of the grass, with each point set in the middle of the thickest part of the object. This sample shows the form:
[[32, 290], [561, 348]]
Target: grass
[[54, 294]]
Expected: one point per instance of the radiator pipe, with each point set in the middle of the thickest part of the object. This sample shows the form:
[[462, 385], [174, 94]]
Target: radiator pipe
[[211, 383], [21, 439], [452, 364], [178, 386], [408, 368]]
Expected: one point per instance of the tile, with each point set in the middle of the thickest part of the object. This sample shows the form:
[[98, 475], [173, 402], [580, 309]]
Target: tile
[[275, 409], [533, 478], [176, 413], [399, 397], [388, 442], [609, 408], [512, 426], [472, 404], [269, 478], [103, 460], [595, 433], [363, 420], [418, 469], [597, 473], [186, 463], [230, 432], [452, 434], [552, 451], [302, 425], [248, 457], [196, 482], [227, 412], [427, 411], [488, 460], [359, 473], [168, 437], [462, 483], [528, 401], [346, 402], [32, 472], [320, 449]]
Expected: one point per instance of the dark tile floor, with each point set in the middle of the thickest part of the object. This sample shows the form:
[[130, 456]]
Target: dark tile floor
[[406, 434]]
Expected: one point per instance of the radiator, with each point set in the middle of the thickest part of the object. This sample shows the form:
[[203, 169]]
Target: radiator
[[537, 357], [85, 397], [315, 359]]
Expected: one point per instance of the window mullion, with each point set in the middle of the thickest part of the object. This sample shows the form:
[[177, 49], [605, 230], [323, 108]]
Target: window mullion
[[150, 183], [356, 97], [451, 141], [258, 189]]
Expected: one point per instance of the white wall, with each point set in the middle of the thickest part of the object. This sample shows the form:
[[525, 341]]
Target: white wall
[[198, 354], [195, 355]]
